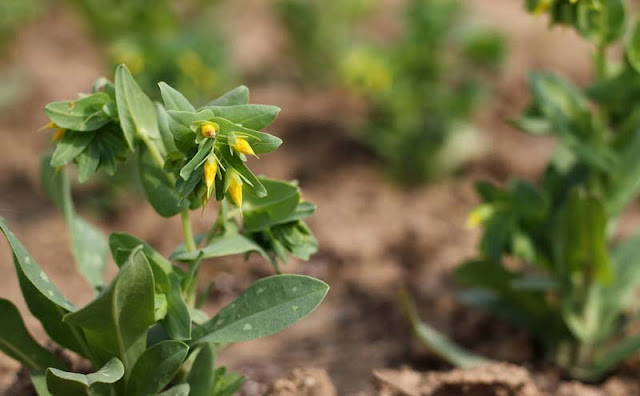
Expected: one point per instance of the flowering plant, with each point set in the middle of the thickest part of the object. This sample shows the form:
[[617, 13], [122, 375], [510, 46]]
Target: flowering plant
[[144, 332]]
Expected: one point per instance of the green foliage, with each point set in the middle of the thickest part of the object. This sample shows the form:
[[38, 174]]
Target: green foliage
[[548, 259], [174, 41], [420, 88], [143, 328]]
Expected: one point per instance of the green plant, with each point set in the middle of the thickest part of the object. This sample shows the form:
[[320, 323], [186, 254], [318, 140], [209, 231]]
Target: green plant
[[549, 256], [420, 88], [144, 333]]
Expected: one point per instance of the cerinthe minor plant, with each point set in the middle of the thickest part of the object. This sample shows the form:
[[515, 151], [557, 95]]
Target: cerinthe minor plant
[[549, 258], [144, 333]]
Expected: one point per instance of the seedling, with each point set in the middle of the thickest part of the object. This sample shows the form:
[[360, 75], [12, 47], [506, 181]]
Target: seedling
[[144, 332]]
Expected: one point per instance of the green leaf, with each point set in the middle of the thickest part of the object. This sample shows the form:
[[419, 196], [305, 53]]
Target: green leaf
[[39, 382], [62, 383], [260, 142], [180, 125], [70, 146], [237, 96], [160, 192], [85, 114], [266, 307], [437, 342], [602, 22], [174, 100], [123, 244], [633, 47], [222, 245], [238, 165], [88, 162], [16, 342], [116, 322], [178, 390], [156, 368], [44, 299], [177, 323], [201, 379], [135, 109], [607, 359], [169, 145], [261, 213], [88, 244], [252, 116]]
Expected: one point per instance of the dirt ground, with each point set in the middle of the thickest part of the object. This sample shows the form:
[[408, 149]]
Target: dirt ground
[[374, 236]]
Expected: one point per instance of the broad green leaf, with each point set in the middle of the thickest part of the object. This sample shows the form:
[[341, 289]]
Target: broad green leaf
[[156, 367], [158, 189], [227, 384], [174, 100], [201, 378], [85, 114], [266, 307], [178, 390], [70, 146], [237, 96], [261, 213], [633, 47], [116, 322], [222, 245], [252, 116], [63, 383], [135, 109], [177, 323], [602, 22], [437, 342], [16, 342], [169, 145], [88, 244], [44, 299], [260, 142], [87, 162]]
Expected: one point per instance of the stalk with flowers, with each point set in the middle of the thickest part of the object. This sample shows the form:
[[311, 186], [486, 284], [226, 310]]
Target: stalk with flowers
[[144, 333]]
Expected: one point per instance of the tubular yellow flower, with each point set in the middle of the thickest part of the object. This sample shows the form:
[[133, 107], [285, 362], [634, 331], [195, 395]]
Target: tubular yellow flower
[[235, 190], [242, 146], [210, 171], [209, 129]]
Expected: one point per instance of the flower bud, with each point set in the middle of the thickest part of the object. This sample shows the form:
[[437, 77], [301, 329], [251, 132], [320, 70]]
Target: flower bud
[[209, 129], [58, 135], [210, 171], [235, 189], [242, 146]]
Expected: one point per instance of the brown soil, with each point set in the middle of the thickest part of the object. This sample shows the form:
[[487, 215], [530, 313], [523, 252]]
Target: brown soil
[[374, 236]]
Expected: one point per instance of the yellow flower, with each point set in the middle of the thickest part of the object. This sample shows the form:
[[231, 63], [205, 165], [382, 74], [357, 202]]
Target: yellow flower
[[210, 172], [479, 216], [209, 129], [242, 146], [235, 189]]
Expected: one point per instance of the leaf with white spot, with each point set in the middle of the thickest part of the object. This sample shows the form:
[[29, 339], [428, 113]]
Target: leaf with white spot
[[266, 307], [44, 299]]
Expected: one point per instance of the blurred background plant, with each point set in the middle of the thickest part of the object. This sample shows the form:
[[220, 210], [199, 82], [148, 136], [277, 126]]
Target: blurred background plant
[[420, 88], [549, 258], [178, 42]]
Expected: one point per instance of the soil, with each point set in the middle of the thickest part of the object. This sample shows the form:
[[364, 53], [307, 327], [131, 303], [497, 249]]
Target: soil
[[375, 237]]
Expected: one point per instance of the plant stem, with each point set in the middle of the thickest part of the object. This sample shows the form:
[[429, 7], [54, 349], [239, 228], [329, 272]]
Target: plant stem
[[186, 231], [186, 223], [601, 61]]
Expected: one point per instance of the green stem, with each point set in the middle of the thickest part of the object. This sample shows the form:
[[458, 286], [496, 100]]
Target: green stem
[[601, 61], [189, 243]]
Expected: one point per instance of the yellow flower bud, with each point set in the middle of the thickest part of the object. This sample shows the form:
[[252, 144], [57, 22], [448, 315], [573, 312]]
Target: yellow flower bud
[[209, 129], [479, 216], [242, 146], [58, 135], [50, 125], [235, 190], [210, 171]]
